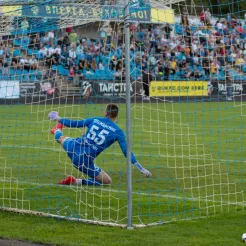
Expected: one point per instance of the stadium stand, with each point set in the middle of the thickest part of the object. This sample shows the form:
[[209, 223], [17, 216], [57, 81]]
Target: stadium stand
[[202, 50]]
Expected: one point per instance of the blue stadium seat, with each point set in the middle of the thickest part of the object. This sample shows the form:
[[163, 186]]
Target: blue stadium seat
[[29, 52], [54, 67], [16, 53], [39, 56], [38, 74], [17, 42]]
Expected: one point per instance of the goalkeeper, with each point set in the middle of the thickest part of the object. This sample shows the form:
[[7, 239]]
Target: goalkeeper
[[101, 133]]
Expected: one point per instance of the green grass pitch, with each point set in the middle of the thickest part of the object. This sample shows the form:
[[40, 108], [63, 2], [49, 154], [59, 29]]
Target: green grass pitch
[[195, 151]]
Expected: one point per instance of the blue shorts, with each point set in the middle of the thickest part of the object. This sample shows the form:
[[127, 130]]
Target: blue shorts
[[81, 160]]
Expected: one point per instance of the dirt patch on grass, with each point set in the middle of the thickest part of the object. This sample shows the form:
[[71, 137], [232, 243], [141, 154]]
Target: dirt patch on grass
[[10, 242]]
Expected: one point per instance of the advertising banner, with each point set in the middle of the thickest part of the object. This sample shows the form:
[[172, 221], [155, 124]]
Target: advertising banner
[[116, 89], [220, 88], [86, 11], [178, 88], [9, 89]]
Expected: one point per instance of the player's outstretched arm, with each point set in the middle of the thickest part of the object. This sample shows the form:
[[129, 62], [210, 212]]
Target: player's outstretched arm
[[123, 146], [67, 122], [142, 170]]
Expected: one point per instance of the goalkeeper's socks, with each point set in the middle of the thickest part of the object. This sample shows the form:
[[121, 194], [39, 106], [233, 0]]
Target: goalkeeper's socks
[[88, 182], [58, 133]]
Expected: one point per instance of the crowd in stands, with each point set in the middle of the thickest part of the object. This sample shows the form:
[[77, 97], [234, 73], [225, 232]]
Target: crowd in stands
[[200, 50]]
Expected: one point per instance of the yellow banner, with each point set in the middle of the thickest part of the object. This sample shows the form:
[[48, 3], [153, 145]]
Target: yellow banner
[[162, 16], [11, 10], [178, 88]]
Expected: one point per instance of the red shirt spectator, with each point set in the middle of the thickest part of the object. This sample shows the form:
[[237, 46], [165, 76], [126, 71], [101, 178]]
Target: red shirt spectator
[[223, 51], [202, 17], [69, 29], [240, 29]]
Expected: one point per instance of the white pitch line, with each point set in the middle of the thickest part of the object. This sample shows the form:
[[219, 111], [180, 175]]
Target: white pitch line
[[155, 155], [124, 192]]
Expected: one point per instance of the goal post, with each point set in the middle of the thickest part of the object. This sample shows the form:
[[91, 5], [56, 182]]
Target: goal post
[[178, 74]]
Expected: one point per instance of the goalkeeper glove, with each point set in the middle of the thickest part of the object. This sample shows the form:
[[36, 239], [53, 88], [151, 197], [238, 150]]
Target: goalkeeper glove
[[143, 170], [53, 116]]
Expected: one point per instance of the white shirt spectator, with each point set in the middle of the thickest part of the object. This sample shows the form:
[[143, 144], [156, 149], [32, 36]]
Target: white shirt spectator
[[43, 51], [157, 31], [46, 39], [33, 61], [24, 24], [59, 50], [97, 47], [51, 34], [51, 50], [208, 15], [100, 66], [173, 45], [109, 31], [194, 47], [219, 26], [196, 60], [23, 61], [72, 54], [79, 50], [152, 38]]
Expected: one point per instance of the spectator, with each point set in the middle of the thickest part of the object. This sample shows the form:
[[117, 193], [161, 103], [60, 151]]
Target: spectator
[[229, 86], [49, 75], [5, 69], [168, 30], [202, 17], [66, 41], [24, 63], [58, 49], [56, 58], [43, 51], [51, 36], [71, 73], [94, 65], [71, 57], [64, 54], [48, 58], [79, 50], [197, 75], [103, 33], [117, 74], [146, 78], [46, 39], [73, 37], [109, 31], [33, 63], [207, 16], [100, 66], [25, 25], [189, 74]]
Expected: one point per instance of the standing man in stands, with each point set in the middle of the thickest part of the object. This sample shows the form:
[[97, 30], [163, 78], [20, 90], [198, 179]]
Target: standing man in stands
[[229, 86], [146, 78]]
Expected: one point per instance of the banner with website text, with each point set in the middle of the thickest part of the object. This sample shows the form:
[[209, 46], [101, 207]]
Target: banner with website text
[[178, 88], [89, 11]]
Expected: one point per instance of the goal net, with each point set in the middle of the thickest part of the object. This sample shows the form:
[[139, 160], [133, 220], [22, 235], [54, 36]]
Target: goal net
[[188, 92]]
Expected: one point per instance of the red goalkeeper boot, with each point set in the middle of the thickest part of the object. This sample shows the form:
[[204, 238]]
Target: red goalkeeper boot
[[68, 180], [58, 126]]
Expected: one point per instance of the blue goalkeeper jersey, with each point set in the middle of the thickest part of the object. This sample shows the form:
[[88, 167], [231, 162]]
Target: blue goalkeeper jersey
[[101, 133]]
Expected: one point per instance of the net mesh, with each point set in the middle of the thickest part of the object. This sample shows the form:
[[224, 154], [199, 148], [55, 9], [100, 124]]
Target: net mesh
[[188, 88]]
